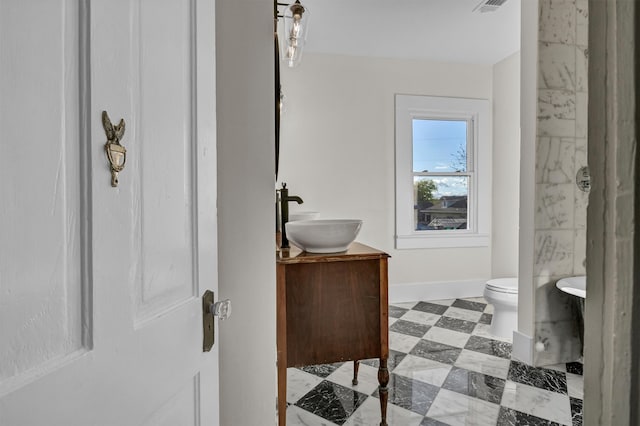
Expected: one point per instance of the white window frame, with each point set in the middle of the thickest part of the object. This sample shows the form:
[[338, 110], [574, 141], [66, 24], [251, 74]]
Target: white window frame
[[478, 113]]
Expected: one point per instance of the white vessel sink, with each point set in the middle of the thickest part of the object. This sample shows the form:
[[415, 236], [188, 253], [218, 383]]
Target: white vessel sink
[[296, 216], [323, 235], [576, 286]]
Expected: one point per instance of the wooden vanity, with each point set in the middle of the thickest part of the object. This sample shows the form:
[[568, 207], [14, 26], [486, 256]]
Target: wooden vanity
[[332, 308]]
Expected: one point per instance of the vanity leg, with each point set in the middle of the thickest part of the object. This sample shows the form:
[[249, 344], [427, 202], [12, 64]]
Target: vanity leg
[[282, 394], [356, 365], [281, 340], [383, 379]]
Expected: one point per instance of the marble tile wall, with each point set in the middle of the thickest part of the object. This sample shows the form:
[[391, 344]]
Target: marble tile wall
[[561, 208]]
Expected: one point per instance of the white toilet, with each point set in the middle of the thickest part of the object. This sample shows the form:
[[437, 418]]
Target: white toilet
[[502, 293]]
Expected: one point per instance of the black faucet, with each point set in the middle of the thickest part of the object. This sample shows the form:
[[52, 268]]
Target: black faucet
[[285, 199]]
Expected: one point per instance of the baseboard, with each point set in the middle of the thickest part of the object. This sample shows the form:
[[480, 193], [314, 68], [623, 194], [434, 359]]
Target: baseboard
[[413, 292], [522, 349]]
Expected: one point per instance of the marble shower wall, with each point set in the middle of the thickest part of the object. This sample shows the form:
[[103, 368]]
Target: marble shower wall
[[561, 208]]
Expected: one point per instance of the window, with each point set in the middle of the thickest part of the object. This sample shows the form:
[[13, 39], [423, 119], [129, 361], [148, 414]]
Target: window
[[443, 172]]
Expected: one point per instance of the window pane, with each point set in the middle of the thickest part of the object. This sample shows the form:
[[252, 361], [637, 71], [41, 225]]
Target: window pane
[[440, 202], [439, 145]]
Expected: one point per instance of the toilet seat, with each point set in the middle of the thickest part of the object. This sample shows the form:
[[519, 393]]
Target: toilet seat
[[503, 285]]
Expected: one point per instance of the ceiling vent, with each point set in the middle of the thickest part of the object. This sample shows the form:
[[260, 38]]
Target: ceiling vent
[[489, 5]]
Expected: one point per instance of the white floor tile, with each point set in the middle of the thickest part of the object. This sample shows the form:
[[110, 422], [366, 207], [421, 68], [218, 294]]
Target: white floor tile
[[299, 383], [421, 317], [476, 299], [575, 385], [422, 369], [392, 320], [368, 414], [446, 302], [367, 377], [446, 336], [405, 305], [557, 367], [463, 314], [483, 363], [537, 402], [484, 330], [299, 417], [456, 409], [402, 342]]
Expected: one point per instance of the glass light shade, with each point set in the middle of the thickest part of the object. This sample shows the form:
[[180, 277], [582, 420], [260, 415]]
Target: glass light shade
[[296, 18]]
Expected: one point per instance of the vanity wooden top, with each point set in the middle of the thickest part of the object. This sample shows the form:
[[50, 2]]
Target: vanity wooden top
[[357, 251]]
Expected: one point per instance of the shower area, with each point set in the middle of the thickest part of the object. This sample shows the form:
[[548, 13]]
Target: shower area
[[553, 208]]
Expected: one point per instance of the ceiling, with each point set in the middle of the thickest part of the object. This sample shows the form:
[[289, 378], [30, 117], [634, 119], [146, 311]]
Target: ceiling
[[437, 30]]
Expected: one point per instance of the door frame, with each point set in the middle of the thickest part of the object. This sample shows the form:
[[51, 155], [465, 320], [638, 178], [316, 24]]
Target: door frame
[[246, 209], [612, 354]]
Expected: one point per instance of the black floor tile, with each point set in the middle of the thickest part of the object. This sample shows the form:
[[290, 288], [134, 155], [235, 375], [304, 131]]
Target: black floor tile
[[456, 324], [468, 304], [576, 411], [574, 367], [474, 384], [331, 401], [409, 327], [436, 351], [396, 311], [432, 308], [489, 346], [409, 394], [509, 417], [394, 359], [542, 378], [432, 422], [321, 370], [486, 319]]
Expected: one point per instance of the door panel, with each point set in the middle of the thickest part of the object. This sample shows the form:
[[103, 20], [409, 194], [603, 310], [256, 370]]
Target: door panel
[[178, 410], [163, 125], [100, 286], [41, 286]]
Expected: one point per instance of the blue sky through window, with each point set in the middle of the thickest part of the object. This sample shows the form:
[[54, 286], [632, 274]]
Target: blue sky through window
[[440, 146], [435, 143]]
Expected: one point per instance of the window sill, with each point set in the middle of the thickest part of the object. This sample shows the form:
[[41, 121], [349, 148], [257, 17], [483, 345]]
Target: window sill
[[415, 241]]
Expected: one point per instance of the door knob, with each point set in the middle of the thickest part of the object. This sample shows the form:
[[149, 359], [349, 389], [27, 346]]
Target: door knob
[[220, 309]]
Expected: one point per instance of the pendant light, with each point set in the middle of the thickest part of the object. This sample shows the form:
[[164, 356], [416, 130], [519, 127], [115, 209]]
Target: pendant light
[[296, 18]]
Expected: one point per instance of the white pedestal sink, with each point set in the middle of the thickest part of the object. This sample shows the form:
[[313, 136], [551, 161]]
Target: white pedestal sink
[[323, 235]]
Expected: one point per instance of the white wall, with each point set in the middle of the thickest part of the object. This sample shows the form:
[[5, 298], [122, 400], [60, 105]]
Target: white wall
[[528, 117], [337, 150], [506, 167], [246, 211]]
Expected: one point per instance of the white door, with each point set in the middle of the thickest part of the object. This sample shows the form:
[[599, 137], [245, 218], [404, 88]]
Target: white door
[[100, 287]]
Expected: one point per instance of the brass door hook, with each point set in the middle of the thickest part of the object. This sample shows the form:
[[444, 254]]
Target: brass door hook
[[116, 153]]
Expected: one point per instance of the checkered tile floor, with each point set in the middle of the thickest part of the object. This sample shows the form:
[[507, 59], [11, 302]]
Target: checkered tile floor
[[446, 369]]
